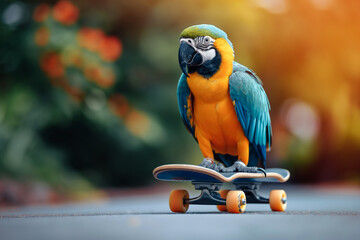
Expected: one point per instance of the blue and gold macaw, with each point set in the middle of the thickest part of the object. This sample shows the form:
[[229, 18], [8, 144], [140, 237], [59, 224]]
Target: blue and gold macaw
[[222, 103]]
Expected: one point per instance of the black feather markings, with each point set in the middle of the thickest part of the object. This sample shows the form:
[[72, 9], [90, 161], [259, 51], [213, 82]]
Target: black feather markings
[[208, 68]]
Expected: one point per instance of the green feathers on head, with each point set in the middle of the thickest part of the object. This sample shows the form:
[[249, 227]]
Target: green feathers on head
[[204, 30]]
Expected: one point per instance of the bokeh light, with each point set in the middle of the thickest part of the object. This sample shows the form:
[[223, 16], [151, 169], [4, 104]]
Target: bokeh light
[[14, 14], [302, 120], [41, 12], [65, 12]]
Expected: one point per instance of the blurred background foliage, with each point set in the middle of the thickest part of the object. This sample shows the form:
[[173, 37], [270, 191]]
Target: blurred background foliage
[[88, 88]]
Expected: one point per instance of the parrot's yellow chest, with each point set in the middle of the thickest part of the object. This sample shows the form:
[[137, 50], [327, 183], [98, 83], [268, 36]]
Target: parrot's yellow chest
[[214, 113]]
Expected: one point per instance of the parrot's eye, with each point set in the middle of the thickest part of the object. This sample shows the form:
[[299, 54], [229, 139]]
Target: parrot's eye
[[201, 42], [204, 42]]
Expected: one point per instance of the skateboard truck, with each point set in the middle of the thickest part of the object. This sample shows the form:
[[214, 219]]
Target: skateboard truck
[[250, 190], [208, 195]]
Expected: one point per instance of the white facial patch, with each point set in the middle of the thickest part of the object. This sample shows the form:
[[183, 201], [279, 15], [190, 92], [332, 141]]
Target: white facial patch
[[203, 45], [207, 54], [189, 41]]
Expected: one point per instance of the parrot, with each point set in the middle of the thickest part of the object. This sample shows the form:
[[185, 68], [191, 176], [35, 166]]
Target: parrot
[[222, 103]]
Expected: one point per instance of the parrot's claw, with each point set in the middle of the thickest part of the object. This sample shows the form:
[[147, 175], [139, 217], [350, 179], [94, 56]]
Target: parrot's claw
[[239, 166], [209, 163], [219, 167]]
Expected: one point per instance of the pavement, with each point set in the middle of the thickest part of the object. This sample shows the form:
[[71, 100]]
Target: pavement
[[312, 213]]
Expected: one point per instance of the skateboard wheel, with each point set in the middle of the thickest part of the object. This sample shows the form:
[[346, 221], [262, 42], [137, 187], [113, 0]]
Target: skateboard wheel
[[223, 193], [278, 200], [236, 202], [177, 201]]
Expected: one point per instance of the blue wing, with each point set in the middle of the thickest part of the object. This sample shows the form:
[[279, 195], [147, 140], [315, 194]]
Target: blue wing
[[252, 109], [184, 96]]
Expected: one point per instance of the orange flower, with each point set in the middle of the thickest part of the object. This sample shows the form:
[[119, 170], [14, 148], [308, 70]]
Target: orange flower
[[41, 12], [107, 78], [42, 36], [137, 122], [65, 12], [110, 48], [103, 76], [119, 105], [51, 65], [78, 60], [71, 56], [75, 93], [90, 38], [92, 73]]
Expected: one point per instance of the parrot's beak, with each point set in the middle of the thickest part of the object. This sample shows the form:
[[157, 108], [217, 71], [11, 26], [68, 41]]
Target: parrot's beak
[[188, 57]]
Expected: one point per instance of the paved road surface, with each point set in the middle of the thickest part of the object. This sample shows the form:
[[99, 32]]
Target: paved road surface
[[312, 213]]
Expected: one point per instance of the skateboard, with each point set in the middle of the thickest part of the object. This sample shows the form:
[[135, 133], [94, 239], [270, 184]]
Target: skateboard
[[209, 182]]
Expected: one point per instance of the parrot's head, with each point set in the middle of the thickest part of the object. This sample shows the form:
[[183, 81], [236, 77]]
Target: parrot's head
[[203, 48]]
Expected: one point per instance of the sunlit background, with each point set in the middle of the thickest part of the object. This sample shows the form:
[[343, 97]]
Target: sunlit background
[[88, 90]]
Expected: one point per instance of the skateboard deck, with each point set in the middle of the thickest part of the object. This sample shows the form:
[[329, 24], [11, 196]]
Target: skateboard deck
[[210, 182], [193, 173]]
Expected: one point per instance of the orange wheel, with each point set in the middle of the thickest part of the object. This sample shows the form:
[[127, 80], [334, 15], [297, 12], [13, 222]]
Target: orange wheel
[[223, 194], [177, 201], [278, 200], [236, 202]]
